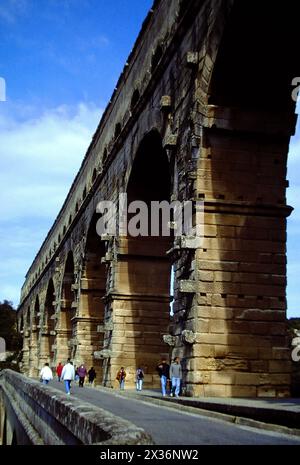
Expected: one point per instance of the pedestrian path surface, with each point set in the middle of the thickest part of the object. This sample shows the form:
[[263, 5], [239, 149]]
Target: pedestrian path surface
[[283, 411], [169, 426]]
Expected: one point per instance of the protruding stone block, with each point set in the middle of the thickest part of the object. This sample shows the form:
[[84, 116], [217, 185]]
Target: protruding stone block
[[170, 141], [187, 286], [190, 242], [165, 102], [105, 353], [169, 339], [192, 59], [189, 337]]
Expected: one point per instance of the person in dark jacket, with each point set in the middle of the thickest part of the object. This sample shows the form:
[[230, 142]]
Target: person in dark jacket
[[82, 374], [163, 369], [91, 375], [139, 378]]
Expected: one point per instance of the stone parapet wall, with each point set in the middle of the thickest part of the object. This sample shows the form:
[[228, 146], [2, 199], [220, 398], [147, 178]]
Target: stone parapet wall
[[38, 414]]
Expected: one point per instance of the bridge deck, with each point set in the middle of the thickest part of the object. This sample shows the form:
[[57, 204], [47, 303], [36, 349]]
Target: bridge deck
[[175, 427]]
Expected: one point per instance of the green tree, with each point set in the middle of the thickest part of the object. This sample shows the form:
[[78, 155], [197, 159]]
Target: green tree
[[9, 332]]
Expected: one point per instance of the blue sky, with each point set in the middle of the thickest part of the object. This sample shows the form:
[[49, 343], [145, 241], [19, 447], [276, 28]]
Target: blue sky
[[61, 60]]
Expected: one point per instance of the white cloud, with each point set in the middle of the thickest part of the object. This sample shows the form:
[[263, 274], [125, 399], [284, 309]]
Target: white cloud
[[39, 158]]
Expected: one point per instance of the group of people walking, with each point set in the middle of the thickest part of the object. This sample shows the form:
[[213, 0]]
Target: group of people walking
[[139, 378], [170, 376], [68, 373]]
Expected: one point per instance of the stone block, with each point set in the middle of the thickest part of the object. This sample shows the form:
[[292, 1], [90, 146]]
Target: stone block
[[280, 366], [218, 326], [266, 391], [187, 286], [205, 275], [203, 350], [223, 378], [281, 353], [216, 390]]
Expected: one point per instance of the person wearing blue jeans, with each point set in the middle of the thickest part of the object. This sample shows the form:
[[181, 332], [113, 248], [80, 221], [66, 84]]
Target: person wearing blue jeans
[[163, 369], [46, 374], [68, 386], [139, 377], [176, 376], [68, 374], [121, 375]]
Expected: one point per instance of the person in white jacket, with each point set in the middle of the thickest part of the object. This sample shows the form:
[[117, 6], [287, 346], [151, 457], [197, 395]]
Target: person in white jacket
[[67, 375], [46, 374]]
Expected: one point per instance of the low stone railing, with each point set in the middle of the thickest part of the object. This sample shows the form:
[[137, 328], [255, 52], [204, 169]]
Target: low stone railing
[[39, 414]]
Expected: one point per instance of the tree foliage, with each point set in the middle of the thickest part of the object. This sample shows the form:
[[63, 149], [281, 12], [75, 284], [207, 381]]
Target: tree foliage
[[8, 326]]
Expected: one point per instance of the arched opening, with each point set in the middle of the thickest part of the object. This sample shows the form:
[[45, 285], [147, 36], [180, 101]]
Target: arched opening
[[94, 175], [25, 327], [90, 319], [104, 156], [247, 71], [28, 321], [67, 312], [117, 130], [33, 365], [142, 309], [134, 99], [47, 349]]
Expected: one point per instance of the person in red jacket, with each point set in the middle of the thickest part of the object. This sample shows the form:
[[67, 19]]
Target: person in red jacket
[[59, 369]]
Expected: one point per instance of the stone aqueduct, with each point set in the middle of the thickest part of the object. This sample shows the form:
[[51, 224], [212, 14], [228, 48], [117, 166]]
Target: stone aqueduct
[[202, 111]]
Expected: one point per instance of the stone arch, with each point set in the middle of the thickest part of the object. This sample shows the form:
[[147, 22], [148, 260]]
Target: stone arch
[[248, 117], [65, 328], [89, 330], [33, 361], [141, 307], [26, 338], [47, 330]]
